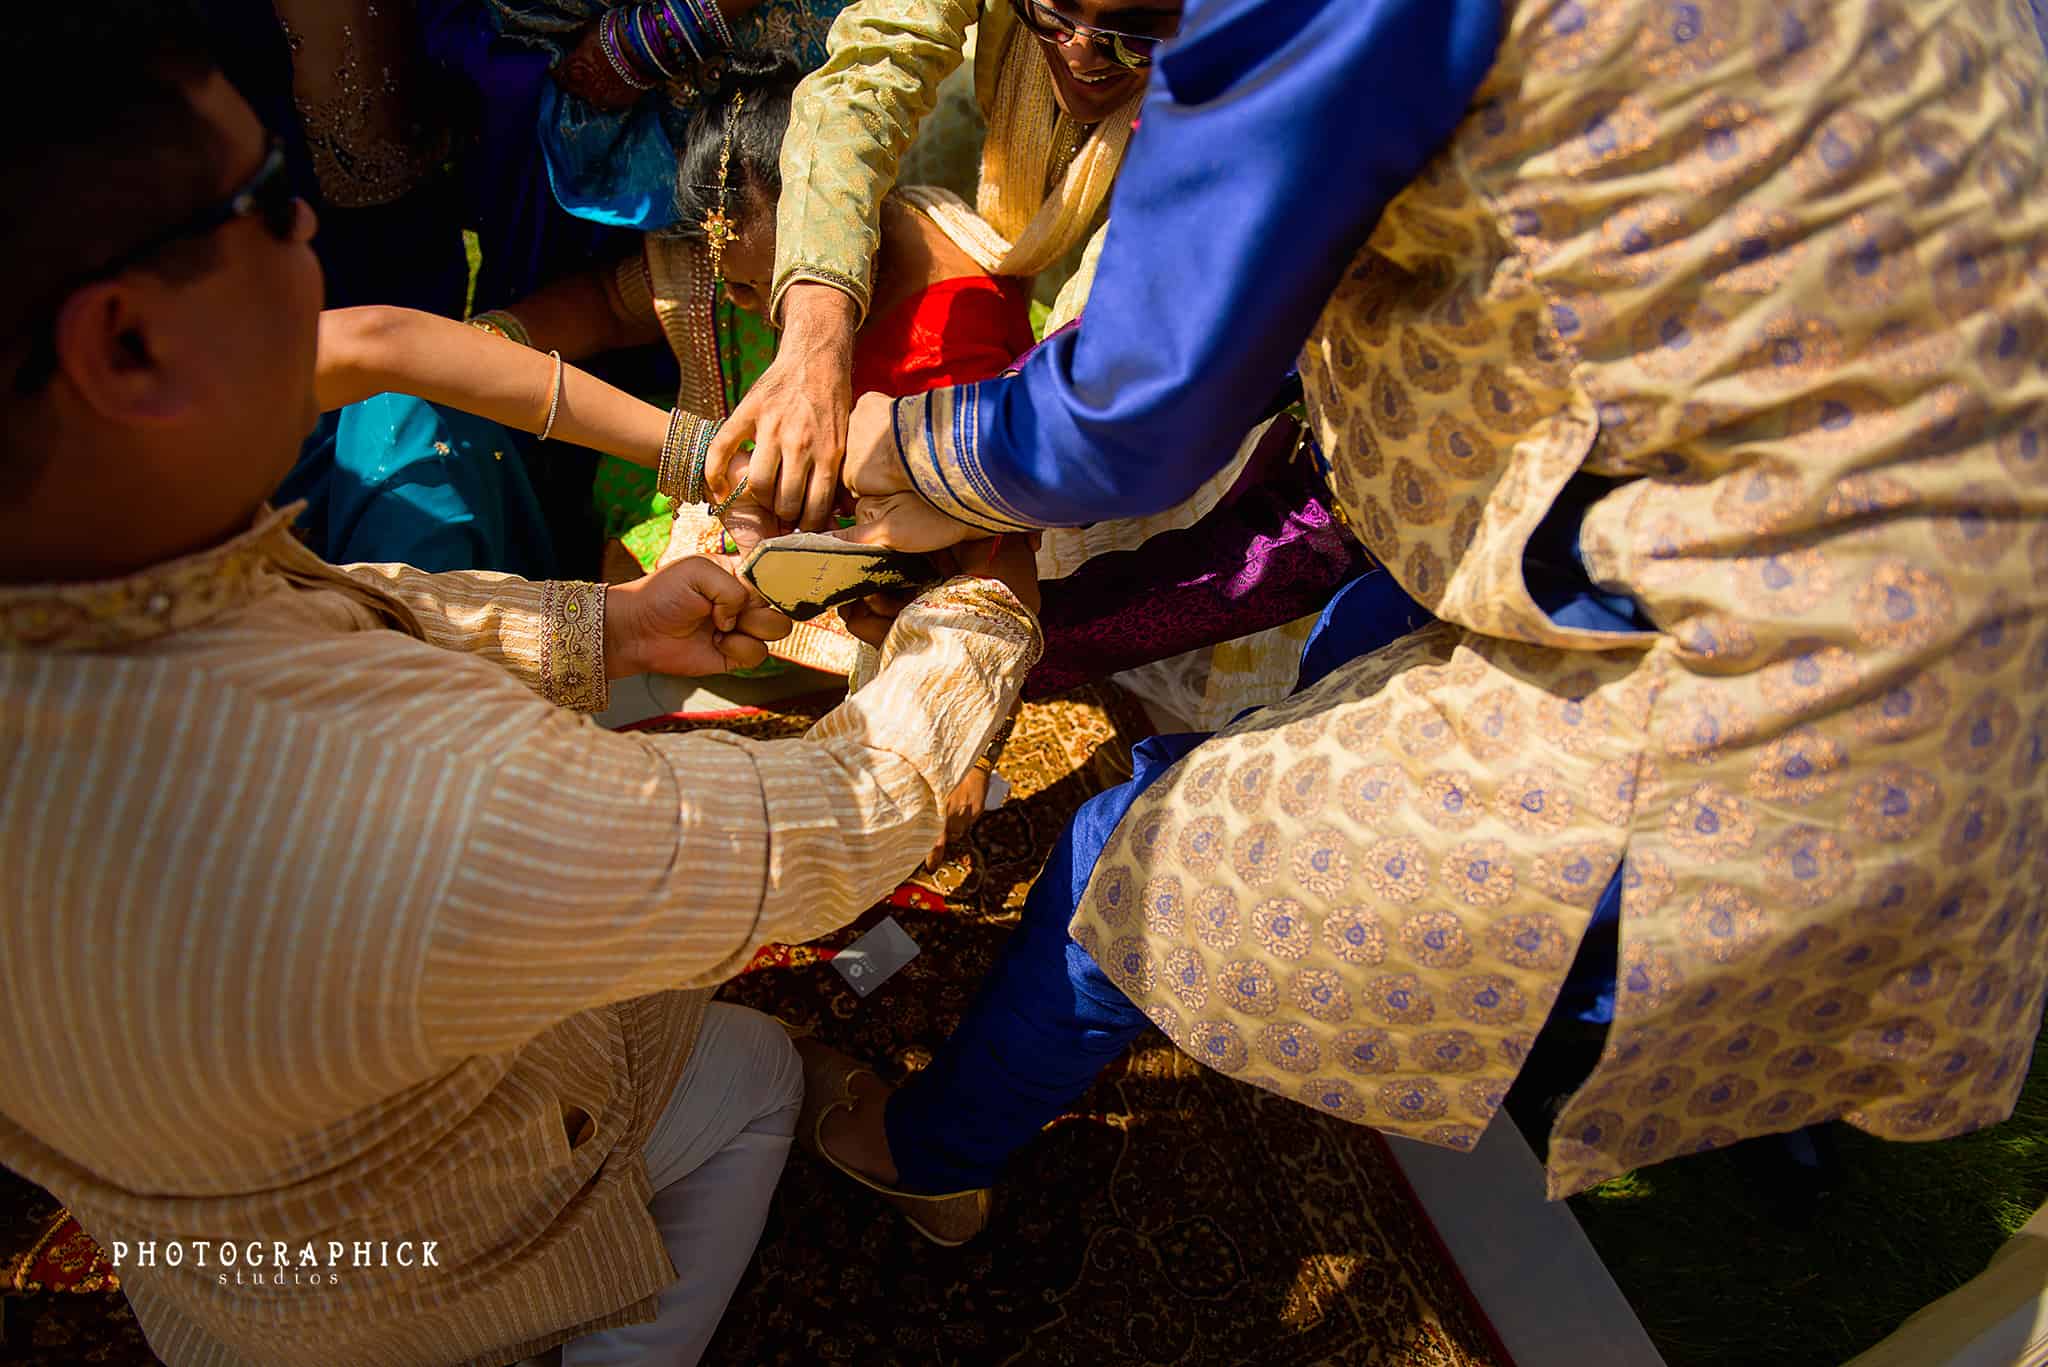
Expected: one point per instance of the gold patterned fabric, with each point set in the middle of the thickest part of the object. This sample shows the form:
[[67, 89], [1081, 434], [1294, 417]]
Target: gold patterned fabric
[[1776, 265], [947, 150], [325, 922]]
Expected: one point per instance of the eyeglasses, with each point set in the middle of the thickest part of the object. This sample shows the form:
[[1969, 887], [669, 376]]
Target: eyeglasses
[[267, 194], [1131, 50]]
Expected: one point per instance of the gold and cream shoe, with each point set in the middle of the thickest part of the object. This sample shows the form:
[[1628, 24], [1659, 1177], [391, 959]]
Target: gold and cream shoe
[[831, 1085]]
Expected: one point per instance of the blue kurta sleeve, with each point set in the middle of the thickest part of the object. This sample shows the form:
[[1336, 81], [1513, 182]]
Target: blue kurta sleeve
[[1272, 135]]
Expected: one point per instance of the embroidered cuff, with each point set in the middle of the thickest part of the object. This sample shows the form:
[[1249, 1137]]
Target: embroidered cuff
[[937, 440], [819, 275], [572, 672], [991, 606], [635, 289]]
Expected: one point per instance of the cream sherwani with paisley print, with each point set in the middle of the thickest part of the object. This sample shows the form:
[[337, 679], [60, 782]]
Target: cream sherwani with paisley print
[[1777, 264]]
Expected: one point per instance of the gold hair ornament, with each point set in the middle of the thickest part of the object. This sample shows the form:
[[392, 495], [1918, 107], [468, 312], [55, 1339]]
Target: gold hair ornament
[[718, 230]]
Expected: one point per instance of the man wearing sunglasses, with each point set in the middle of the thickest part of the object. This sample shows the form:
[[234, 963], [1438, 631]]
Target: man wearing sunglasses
[[346, 970], [1057, 82]]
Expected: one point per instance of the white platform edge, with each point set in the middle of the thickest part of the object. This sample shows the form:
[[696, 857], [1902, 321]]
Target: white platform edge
[[1529, 1265]]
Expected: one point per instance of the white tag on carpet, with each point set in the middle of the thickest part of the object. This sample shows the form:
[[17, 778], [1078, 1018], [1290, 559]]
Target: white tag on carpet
[[873, 959], [998, 792]]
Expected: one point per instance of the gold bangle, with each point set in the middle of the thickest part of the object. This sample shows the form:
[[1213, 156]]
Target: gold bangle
[[667, 477], [680, 473]]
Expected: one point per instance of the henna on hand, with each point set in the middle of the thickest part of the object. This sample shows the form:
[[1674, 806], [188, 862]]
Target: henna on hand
[[585, 73]]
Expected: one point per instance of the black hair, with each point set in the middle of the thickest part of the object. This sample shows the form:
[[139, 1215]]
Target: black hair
[[754, 176], [108, 147]]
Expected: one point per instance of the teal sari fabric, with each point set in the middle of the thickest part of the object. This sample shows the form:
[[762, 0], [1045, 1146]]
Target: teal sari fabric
[[395, 478]]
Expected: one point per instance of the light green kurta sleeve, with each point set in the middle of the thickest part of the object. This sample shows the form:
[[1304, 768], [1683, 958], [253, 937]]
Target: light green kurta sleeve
[[848, 128]]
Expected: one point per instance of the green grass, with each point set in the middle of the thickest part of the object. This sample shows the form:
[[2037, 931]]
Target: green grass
[[1720, 1280]]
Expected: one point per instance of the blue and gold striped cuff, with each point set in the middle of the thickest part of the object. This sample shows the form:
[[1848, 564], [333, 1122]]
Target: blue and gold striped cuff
[[937, 438]]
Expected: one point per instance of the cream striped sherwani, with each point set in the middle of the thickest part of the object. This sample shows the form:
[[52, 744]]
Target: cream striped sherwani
[[325, 920]]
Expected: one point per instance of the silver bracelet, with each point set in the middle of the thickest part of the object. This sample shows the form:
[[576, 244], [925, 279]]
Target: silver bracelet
[[554, 398]]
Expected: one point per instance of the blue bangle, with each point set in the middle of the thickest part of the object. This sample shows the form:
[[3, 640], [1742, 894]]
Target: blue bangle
[[634, 23], [613, 47], [711, 20], [649, 49], [686, 25], [681, 48]]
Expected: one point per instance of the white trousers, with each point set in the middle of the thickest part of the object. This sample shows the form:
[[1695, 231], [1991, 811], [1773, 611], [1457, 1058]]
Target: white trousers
[[713, 1159]]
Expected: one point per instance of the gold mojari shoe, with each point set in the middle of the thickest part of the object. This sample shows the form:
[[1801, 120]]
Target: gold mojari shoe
[[829, 1077]]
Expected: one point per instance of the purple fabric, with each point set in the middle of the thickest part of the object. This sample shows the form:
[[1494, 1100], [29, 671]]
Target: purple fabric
[[1269, 553], [526, 239]]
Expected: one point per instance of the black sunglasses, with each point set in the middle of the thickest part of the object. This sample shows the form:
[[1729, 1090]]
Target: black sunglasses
[[1131, 50], [267, 194]]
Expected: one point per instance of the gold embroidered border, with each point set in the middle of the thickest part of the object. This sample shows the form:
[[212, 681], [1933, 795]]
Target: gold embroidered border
[[991, 603], [572, 672], [819, 275], [685, 301], [168, 597]]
